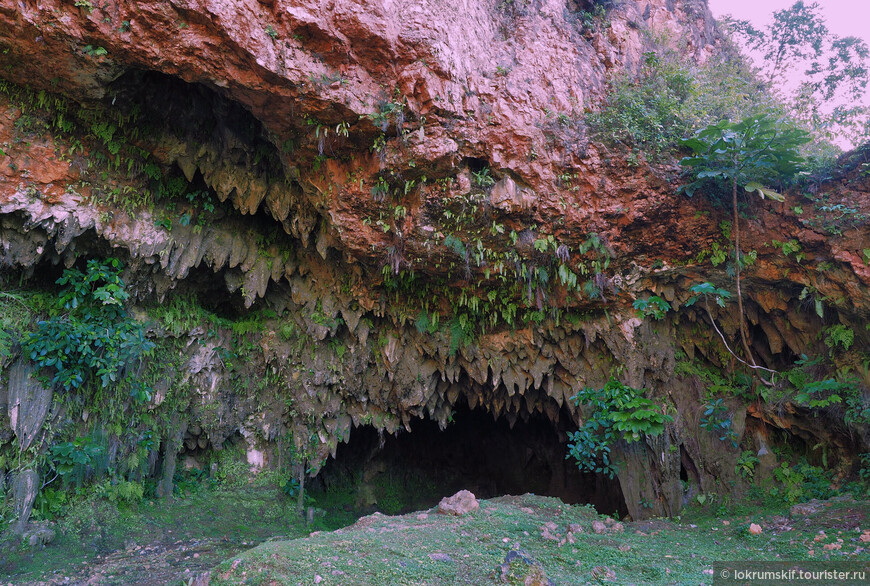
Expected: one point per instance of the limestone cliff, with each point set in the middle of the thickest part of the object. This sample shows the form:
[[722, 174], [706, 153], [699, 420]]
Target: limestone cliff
[[399, 185]]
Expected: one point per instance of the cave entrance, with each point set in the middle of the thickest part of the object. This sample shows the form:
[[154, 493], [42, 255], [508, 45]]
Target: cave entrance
[[413, 470]]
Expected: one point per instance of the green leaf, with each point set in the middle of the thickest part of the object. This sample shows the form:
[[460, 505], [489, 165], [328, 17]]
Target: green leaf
[[763, 191]]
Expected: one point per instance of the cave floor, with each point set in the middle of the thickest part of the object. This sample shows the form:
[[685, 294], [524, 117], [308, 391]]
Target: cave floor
[[249, 534]]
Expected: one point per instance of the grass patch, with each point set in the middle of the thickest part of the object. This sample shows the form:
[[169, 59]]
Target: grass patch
[[156, 538], [432, 549]]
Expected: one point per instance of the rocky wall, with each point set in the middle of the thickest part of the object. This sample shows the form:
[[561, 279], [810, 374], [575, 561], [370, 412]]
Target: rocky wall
[[340, 145]]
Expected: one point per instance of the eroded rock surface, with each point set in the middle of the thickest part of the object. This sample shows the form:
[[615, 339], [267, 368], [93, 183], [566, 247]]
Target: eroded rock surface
[[342, 144]]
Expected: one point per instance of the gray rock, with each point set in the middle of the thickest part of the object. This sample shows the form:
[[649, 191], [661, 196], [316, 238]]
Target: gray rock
[[29, 402], [39, 536], [24, 489], [599, 527], [808, 508]]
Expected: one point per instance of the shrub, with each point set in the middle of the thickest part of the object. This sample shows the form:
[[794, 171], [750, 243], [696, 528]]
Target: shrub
[[90, 334], [620, 412], [652, 110]]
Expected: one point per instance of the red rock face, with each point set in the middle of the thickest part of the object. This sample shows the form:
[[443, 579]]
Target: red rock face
[[298, 113], [500, 82]]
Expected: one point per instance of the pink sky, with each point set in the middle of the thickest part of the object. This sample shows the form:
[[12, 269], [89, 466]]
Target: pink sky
[[844, 17]]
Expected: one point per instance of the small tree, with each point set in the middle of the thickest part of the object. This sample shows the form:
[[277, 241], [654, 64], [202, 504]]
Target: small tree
[[757, 151]]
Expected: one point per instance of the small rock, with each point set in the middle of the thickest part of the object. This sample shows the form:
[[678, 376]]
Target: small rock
[[422, 517], [318, 579], [807, 508], [617, 528], [726, 523], [625, 547], [461, 503], [603, 573], [440, 557], [549, 531], [599, 527], [575, 528], [40, 536], [519, 565], [755, 529], [865, 537], [609, 521]]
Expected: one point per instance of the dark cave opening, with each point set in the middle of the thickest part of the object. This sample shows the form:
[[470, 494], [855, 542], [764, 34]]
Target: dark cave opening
[[197, 112], [413, 471]]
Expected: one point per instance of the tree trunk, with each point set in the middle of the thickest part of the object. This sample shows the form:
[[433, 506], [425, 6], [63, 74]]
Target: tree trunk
[[742, 320]]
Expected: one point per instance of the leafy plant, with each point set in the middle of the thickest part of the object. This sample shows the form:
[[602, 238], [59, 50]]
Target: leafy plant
[[620, 412], [839, 335], [746, 464], [79, 459], [864, 472], [94, 51], [92, 335], [716, 419], [482, 178], [792, 481], [747, 153], [654, 307]]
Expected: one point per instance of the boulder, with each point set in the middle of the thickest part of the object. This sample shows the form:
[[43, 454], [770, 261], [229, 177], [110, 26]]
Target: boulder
[[39, 536], [29, 402], [461, 503], [24, 489]]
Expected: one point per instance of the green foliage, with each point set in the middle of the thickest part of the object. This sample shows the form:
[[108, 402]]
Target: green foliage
[[808, 391], [746, 464], [792, 246], [831, 71], [839, 335], [716, 420], [801, 482], [90, 335], [705, 290], [92, 51], [619, 412], [654, 307], [120, 491], [482, 178], [669, 98], [289, 486], [757, 149], [864, 472], [50, 503], [792, 482], [78, 460]]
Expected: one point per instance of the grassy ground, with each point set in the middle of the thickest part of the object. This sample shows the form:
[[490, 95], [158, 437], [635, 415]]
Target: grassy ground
[[154, 542], [428, 548], [249, 533]]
